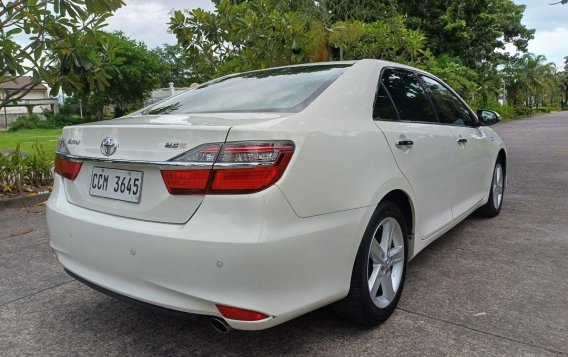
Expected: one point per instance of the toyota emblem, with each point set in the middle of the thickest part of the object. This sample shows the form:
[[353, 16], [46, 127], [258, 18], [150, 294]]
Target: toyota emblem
[[109, 146]]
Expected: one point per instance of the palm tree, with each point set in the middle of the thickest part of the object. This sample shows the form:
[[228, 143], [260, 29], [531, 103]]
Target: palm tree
[[531, 80]]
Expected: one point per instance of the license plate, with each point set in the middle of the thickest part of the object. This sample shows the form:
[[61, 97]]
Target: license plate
[[123, 185]]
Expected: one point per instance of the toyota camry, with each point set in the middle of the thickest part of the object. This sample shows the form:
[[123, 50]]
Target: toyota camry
[[260, 196]]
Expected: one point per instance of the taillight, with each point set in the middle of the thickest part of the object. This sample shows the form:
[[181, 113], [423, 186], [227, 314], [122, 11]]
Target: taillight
[[235, 313], [183, 182], [236, 167], [67, 168]]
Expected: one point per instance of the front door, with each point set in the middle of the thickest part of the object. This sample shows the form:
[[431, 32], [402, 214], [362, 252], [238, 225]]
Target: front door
[[471, 146]]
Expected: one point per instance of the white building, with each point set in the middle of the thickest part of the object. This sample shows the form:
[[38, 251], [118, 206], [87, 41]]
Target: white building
[[34, 102], [164, 93]]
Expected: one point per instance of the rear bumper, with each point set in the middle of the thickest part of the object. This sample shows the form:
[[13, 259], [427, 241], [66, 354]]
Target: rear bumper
[[128, 299], [247, 251]]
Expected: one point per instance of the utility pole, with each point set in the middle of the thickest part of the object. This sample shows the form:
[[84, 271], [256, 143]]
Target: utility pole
[[504, 92], [5, 114]]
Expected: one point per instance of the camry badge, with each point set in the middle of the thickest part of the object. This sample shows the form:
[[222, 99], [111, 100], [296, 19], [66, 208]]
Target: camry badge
[[109, 146]]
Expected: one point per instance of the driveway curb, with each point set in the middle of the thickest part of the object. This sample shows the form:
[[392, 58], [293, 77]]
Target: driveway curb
[[23, 202]]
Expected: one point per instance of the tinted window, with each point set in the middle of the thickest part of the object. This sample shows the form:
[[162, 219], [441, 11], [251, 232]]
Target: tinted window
[[383, 109], [451, 110], [288, 89], [409, 96]]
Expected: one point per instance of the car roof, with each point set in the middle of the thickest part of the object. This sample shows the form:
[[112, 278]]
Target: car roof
[[381, 63]]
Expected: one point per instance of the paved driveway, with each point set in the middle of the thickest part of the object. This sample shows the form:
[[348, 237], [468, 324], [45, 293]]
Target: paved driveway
[[488, 287]]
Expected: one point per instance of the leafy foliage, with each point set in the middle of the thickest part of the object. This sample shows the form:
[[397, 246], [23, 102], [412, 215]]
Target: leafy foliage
[[53, 121], [387, 39], [21, 172], [531, 81], [138, 72], [60, 37], [178, 68], [563, 83], [239, 37], [470, 30]]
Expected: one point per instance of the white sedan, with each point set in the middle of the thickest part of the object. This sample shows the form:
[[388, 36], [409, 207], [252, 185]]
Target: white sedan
[[261, 196]]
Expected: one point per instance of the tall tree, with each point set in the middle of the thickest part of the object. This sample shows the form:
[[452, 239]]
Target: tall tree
[[238, 37], [179, 70], [563, 82], [531, 80], [139, 72], [39, 37], [471, 30]]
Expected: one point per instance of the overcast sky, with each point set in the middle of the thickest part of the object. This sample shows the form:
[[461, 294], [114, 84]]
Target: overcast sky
[[146, 21]]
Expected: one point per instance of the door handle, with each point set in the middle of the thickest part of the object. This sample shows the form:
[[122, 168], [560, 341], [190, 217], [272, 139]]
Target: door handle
[[462, 141], [403, 143]]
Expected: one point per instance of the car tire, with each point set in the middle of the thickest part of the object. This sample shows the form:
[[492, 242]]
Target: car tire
[[497, 189], [379, 270]]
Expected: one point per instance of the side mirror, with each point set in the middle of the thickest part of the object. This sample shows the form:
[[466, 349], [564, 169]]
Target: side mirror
[[488, 117]]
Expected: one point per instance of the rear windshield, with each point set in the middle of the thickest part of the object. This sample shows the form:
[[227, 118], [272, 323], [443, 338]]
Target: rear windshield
[[288, 89]]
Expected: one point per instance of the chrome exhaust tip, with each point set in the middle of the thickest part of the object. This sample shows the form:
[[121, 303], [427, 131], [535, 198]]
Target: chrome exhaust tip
[[220, 325]]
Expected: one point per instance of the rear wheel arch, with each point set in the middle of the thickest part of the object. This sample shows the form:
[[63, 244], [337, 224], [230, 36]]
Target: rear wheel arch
[[502, 155], [403, 201], [375, 266]]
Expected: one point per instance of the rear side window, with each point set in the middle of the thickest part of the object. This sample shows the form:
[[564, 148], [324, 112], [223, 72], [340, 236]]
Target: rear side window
[[451, 110], [288, 89], [383, 108], [408, 96]]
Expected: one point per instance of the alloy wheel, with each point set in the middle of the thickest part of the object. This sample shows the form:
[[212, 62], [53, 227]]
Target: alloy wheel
[[385, 262], [497, 185]]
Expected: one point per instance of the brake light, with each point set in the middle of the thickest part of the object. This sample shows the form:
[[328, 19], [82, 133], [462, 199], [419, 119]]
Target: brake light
[[236, 167], [264, 164], [67, 168], [234, 313]]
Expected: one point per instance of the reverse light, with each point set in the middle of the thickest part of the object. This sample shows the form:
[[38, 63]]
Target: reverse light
[[236, 167], [206, 153], [235, 313], [183, 182]]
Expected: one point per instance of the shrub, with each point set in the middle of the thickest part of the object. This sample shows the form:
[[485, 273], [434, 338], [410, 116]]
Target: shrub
[[506, 111], [555, 107], [19, 172], [523, 111], [541, 110], [53, 121], [60, 120], [28, 122]]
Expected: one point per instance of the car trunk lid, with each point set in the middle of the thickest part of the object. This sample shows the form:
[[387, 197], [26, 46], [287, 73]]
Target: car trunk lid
[[142, 143]]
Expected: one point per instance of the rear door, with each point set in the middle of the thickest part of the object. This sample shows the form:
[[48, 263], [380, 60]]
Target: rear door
[[423, 148], [471, 146]]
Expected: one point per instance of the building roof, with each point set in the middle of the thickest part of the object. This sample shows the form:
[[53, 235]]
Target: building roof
[[20, 82]]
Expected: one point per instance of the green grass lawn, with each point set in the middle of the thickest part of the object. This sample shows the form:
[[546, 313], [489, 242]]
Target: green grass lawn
[[46, 137]]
